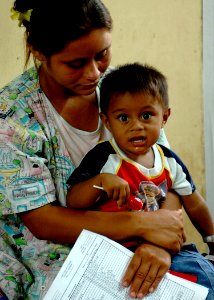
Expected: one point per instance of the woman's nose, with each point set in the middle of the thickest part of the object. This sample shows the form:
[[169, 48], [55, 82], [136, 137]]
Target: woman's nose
[[92, 71]]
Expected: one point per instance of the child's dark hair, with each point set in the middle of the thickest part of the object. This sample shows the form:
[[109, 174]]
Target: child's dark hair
[[133, 78], [53, 24]]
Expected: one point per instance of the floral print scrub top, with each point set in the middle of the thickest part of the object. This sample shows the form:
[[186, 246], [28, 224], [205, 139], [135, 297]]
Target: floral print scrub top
[[34, 167]]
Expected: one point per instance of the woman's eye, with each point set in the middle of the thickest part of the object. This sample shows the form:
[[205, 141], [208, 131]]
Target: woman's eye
[[123, 118], [146, 116], [101, 55], [77, 64]]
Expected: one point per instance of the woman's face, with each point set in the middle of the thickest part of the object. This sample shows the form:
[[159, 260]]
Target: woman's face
[[79, 66]]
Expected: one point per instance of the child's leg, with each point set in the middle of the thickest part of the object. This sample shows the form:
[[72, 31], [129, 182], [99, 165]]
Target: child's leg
[[189, 261]]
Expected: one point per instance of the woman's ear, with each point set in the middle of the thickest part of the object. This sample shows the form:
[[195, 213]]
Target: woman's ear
[[105, 121], [166, 115], [37, 54]]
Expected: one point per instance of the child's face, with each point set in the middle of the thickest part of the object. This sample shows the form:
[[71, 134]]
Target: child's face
[[135, 121]]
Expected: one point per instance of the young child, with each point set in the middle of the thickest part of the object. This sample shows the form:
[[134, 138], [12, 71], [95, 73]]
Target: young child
[[134, 107]]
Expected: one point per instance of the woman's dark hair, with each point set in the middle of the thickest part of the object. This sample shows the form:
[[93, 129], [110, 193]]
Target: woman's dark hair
[[133, 78], [53, 24]]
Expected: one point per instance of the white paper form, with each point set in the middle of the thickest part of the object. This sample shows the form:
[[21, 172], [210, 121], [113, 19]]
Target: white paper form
[[94, 268]]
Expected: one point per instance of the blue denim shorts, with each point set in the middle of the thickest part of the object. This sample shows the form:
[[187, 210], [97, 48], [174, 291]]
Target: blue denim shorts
[[190, 261]]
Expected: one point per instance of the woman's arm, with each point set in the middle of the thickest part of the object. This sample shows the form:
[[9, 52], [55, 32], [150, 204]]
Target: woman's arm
[[63, 225]]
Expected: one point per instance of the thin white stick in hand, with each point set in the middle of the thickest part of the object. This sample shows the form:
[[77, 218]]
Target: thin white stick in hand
[[98, 187]]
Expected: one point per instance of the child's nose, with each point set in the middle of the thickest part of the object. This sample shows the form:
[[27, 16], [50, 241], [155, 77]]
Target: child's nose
[[137, 124]]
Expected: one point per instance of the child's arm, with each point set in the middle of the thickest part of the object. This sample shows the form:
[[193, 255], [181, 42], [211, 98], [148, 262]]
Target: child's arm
[[84, 195], [199, 214]]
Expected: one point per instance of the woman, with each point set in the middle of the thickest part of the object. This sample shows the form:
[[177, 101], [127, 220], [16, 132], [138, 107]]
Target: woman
[[49, 120]]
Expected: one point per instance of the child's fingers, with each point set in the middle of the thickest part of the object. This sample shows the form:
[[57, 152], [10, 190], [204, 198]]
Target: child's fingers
[[123, 196]]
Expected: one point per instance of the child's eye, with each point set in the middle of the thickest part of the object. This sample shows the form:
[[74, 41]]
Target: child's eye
[[123, 118], [146, 115]]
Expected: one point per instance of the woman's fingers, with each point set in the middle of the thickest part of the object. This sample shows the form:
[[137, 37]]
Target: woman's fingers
[[151, 281], [146, 269]]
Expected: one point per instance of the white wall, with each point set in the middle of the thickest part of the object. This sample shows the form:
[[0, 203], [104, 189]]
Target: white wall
[[11, 44]]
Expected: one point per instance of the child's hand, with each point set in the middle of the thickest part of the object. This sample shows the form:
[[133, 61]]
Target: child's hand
[[115, 187]]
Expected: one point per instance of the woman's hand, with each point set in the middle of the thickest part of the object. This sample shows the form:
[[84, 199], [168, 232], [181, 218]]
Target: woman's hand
[[165, 229], [146, 269]]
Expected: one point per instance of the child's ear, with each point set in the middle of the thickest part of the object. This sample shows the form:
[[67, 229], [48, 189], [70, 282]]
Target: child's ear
[[166, 115], [105, 121]]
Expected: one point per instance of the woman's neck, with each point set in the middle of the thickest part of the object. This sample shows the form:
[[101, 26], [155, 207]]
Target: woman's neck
[[81, 112]]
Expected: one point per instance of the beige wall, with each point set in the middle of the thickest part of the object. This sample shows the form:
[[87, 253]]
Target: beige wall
[[166, 34]]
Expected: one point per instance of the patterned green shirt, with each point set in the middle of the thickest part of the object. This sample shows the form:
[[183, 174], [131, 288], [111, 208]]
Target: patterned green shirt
[[34, 167]]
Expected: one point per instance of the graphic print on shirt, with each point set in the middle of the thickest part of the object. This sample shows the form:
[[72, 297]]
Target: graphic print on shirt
[[151, 190]]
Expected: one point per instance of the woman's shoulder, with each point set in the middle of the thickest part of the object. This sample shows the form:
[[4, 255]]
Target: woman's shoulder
[[20, 86], [13, 95]]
